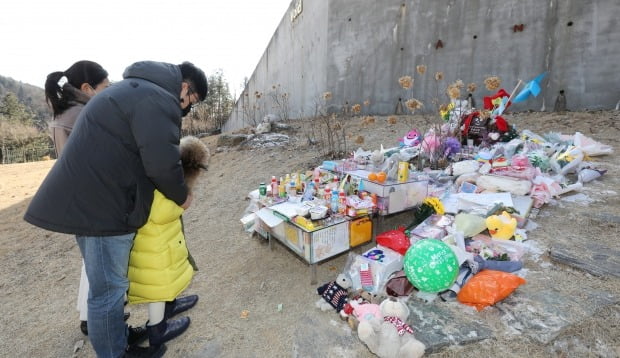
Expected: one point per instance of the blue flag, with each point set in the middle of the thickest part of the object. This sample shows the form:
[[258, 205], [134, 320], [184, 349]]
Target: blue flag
[[532, 88]]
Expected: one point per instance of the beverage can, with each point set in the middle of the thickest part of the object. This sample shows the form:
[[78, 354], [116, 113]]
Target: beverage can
[[403, 172]]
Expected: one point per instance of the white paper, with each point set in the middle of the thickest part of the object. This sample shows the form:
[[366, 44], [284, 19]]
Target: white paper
[[266, 216], [286, 208]]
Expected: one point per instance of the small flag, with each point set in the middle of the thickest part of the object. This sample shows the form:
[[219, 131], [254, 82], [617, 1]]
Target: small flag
[[366, 277], [532, 88]]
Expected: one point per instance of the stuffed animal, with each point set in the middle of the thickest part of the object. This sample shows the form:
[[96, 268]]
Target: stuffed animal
[[501, 226], [378, 161], [362, 311], [412, 139], [391, 336], [334, 294], [392, 166]]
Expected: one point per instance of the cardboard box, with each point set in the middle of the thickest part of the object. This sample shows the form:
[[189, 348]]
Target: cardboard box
[[395, 197], [326, 242]]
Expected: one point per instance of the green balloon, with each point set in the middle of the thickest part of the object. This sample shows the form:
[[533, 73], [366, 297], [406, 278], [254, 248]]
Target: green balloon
[[431, 265]]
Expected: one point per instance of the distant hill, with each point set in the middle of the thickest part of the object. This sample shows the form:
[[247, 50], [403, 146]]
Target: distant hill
[[31, 96]]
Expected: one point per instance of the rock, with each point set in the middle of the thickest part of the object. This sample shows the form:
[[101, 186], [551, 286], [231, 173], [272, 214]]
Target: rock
[[266, 140], [594, 258], [440, 326], [270, 118], [282, 127], [231, 140], [263, 128]]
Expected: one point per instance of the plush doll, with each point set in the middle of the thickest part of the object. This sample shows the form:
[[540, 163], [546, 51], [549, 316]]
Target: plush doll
[[334, 294], [390, 336], [392, 166], [362, 311], [378, 161], [412, 139], [501, 226]]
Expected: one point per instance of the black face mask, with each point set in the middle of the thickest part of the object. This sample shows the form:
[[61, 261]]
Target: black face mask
[[185, 110]]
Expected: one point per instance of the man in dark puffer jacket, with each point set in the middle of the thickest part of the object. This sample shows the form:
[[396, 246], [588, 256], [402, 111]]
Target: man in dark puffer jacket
[[124, 146]]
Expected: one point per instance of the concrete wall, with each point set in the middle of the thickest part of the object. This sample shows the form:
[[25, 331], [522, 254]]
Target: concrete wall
[[358, 49]]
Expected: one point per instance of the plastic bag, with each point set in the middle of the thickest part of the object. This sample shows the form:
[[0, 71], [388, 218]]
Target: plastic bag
[[395, 240], [398, 285], [488, 287], [590, 146]]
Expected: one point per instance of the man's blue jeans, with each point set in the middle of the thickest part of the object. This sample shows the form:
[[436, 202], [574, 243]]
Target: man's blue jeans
[[106, 259]]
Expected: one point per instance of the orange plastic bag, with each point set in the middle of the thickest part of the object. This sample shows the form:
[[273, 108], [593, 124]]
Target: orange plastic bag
[[488, 287]]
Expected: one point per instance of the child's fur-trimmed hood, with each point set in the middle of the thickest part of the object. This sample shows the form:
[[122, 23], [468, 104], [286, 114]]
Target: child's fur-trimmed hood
[[194, 158]]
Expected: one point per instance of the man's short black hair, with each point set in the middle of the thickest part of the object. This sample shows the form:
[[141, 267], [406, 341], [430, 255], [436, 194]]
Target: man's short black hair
[[196, 77]]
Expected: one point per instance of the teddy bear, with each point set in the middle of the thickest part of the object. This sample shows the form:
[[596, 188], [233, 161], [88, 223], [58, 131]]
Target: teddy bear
[[334, 294], [391, 337]]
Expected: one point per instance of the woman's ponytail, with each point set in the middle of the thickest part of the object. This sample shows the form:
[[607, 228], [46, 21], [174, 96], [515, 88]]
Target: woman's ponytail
[[54, 93]]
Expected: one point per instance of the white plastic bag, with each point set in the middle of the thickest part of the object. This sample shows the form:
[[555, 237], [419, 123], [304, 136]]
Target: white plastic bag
[[591, 147]]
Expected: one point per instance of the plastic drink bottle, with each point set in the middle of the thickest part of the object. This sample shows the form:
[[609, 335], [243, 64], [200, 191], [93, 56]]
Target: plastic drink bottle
[[342, 202], [274, 187], [282, 188], [403, 172], [262, 190], [316, 175], [298, 186], [309, 192], [334, 201]]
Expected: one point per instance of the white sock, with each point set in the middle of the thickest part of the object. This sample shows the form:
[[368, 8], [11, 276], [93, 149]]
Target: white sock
[[156, 312], [82, 301]]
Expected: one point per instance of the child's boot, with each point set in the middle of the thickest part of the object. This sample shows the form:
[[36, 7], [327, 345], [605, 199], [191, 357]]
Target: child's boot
[[179, 305], [166, 330]]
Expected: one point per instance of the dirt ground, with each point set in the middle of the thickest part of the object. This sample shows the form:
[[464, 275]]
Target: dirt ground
[[39, 270]]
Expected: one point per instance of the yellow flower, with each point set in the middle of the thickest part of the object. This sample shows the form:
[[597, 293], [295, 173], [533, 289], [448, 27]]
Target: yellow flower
[[406, 82], [445, 109], [392, 120], [356, 108], [436, 204], [421, 69], [438, 76], [471, 87], [327, 96], [367, 103]]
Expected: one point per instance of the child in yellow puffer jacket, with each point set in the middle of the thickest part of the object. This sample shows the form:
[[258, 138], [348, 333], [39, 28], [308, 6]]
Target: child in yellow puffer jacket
[[160, 266]]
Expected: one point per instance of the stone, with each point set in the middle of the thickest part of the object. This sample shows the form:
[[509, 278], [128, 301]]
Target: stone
[[263, 128], [590, 256], [439, 325], [542, 315]]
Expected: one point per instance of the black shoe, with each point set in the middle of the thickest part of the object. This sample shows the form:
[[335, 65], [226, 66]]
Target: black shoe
[[84, 324], [136, 335], [166, 330], [145, 352], [84, 327], [180, 305]]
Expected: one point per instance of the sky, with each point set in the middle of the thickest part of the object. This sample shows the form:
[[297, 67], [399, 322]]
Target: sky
[[38, 37]]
